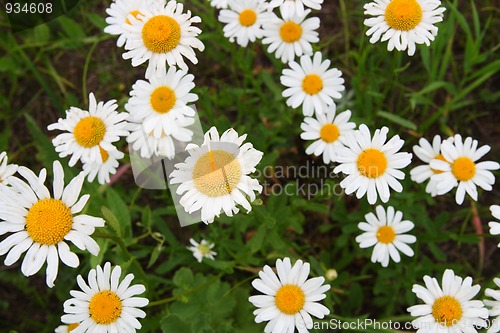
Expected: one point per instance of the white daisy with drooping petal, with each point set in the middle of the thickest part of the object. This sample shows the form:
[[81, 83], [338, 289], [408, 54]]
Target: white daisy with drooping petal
[[404, 23], [103, 170], [244, 19], [292, 7], [65, 328], [161, 104], [328, 131], [387, 233], [494, 306], [372, 165], [291, 35], [460, 168], [202, 250], [290, 298], [426, 153], [6, 170], [495, 226], [89, 131], [311, 84], [214, 178], [163, 35], [104, 304], [448, 308], [41, 224]]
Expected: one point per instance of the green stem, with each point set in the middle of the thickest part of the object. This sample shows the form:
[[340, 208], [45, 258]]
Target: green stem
[[85, 71]]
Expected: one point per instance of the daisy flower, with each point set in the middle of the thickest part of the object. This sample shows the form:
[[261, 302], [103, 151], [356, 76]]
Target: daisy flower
[[105, 304], [386, 231], [372, 165], [6, 170], [495, 226], [162, 102], [103, 170], [163, 35], [404, 23], [66, 328], [42, 224], [327, 129], [290, 36], [89, 131], [311, 84], [426, 153], [244, 20], [289, 298], [494, 306], [215, 176], [292, 7], [460, 168], [202, 250], [449, 308], [219, 4]]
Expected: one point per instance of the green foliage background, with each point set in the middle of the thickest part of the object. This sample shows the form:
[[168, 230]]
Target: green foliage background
[[450, 87]]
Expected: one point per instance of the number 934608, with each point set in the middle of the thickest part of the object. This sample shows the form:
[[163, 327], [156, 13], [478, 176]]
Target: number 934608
[[28, 8]]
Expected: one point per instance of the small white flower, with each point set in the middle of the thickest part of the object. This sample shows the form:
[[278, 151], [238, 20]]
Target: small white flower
[[292, 7], [105, 305], [219, 4], [311, 84], [290, 36], [495, 226], [460, 168], [89, 131], [289, 298], [41, 224], [387, 232], [103, 170], [328, 130], [449, 308], [372, 164], [244, 19], [404, 23], [494, 307], [202, 250], [6, 170]]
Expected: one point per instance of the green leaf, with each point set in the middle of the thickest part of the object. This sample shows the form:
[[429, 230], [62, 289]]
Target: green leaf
[[172, 323], [120, 210], [112, 220], [46, 152], [397, 120], [72, 29]]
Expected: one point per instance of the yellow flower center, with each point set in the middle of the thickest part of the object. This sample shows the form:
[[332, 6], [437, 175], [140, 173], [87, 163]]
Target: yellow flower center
[[329, 133], [105, 307], [290, 32], [248, 17], [290, 299], [134, 14], [463, 169], [48, 221], [162, 99], [441, 158], [216, 173], [386, 234], [403, 14], [72, 327], [204, 249], [447, 310], [89, 132], [104, 154], [312, 84], [161, 34], [372, 163]]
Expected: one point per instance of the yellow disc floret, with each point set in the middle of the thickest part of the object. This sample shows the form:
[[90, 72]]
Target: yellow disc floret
[[290, 299], [463, 169], [248, 17], [216, 173], [372, 163], [290, 32], [312, 84], [447, 310], [134, 13], [329, 133], [48, 221], [386, 234], [403, 14], [161, 34], [89, 131], [162, 99], [105, 307], [72, 327]]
